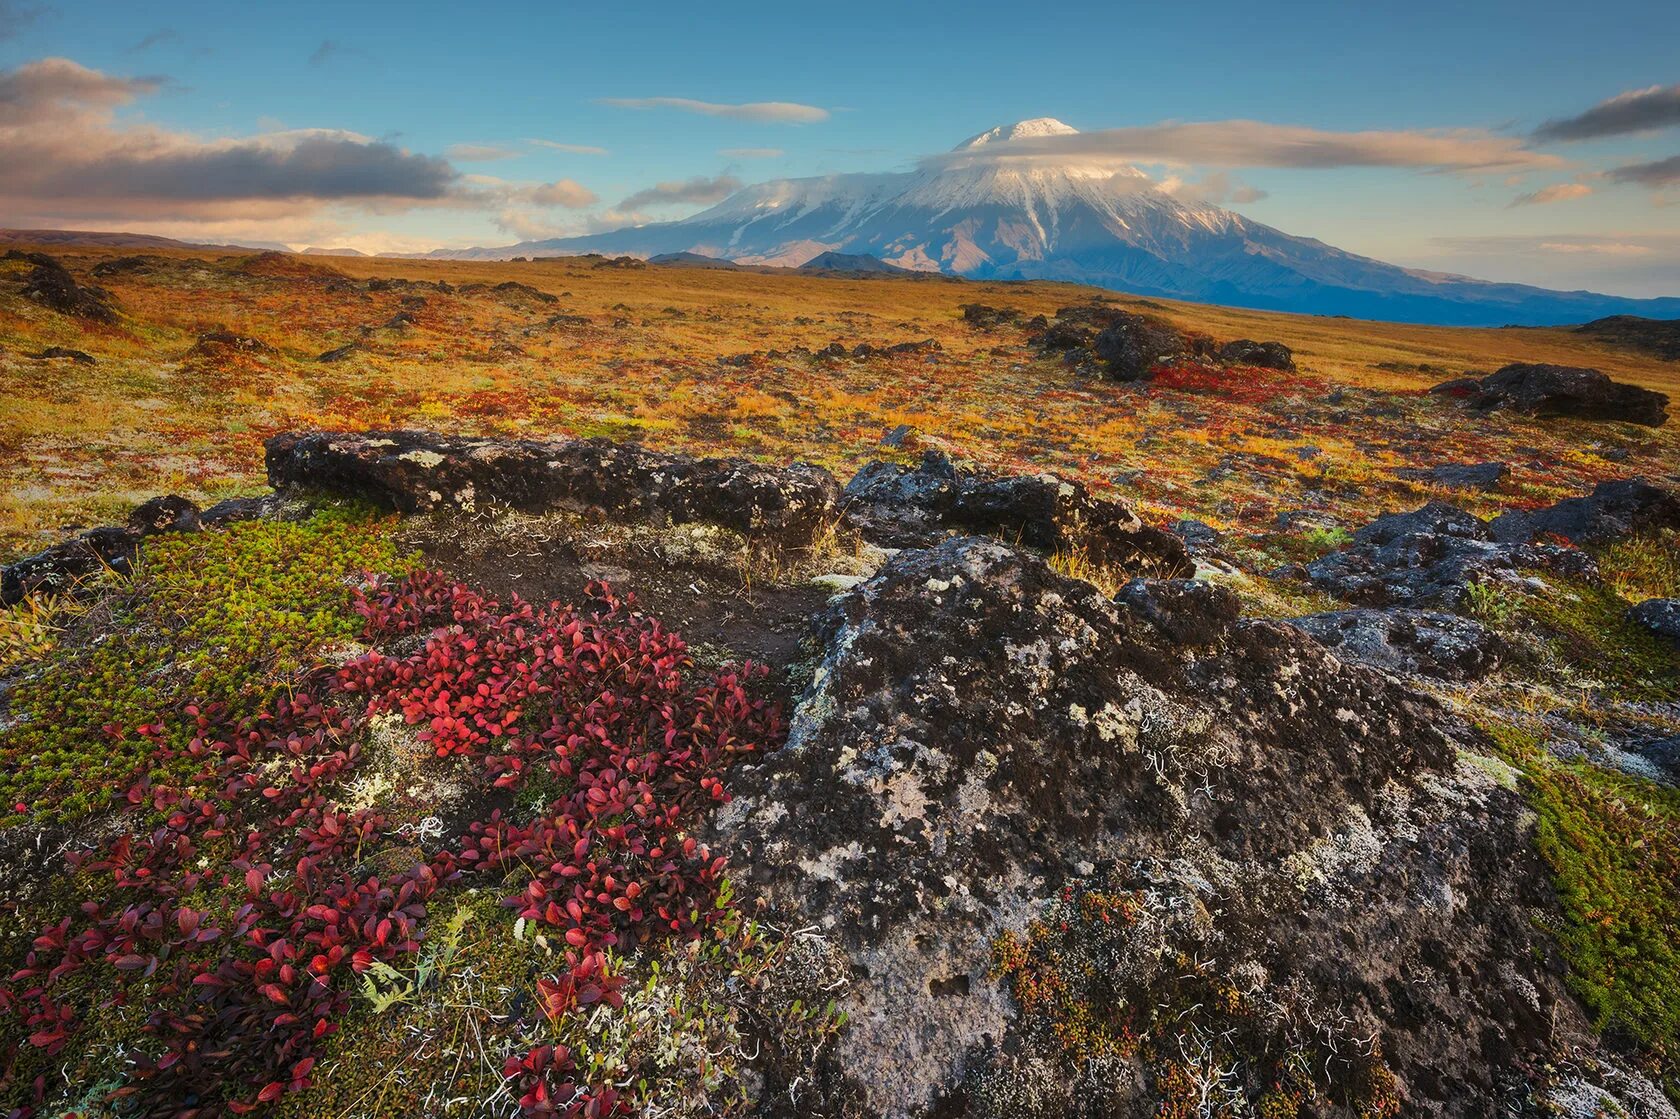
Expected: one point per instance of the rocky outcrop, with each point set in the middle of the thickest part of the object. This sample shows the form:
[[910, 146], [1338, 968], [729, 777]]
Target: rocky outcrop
[[1263, 355], [109, 547], [51, 285], [1431, 555], [902, 507], [1408, 642], [983, 739], [1559, 390], [1131, 345], [1458, 475], [418, 471], [1610, 512]]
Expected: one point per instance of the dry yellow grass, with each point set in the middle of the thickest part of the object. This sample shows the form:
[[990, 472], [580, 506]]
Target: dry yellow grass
[[636, 352]]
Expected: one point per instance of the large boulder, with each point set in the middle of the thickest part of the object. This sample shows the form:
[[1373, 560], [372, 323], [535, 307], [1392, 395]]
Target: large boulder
[[1659, 615], [419, 471], [1613, 510], [1430, 556], [1264, 355], [1560, 390], [1131, 345], [1407, 641], [51, 285], [898, 506], [988, 749]]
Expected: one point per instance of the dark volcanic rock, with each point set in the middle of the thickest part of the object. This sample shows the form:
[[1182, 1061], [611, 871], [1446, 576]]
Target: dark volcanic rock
[[1458, 475], [1659, 615], [1613, 510], [1430, 555], [1265, 355], [1659, 337], [1132, 344], [51, 285], [340, 353], [61, 567], [902, 507], [52, 352], [981, 732], [1409, 642], [982, 317], [218, 340], [1560, 390], [415, 471]]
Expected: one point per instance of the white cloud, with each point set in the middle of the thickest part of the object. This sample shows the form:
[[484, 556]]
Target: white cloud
[[777, 112], [574, 149], [1557, 192], [696, 191], [751, 153], [480, 153]]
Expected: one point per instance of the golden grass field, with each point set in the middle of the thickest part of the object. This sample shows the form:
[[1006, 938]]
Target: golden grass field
[[638, 359]]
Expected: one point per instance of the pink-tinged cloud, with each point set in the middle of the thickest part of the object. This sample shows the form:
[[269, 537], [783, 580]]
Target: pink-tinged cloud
[[1557, 192], [1247, 143], [562, 192], [1637, 110], [1658, 173], [773, 112]]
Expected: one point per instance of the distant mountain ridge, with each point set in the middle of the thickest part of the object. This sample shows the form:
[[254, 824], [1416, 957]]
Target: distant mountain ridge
[[984, 213]]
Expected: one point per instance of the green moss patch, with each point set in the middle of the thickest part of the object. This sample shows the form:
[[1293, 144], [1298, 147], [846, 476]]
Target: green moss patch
[[221, 617]]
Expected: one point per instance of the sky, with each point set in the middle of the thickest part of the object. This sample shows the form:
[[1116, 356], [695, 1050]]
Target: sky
[[1536, 142]]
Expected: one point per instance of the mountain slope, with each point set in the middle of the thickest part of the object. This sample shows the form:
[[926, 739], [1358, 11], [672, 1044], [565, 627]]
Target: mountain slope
[[984, 212]]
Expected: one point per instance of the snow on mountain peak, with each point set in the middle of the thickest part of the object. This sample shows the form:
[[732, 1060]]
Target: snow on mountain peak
[[1020, 130]]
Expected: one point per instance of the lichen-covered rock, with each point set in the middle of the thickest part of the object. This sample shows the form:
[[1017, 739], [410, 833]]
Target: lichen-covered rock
[[1659, 615], [1407, 641], [1431, 555], [981, 733], [418, 471], [51, 285], [61, 567], [1560, 390], [900, 507], [1131, 345], [1611, 511]]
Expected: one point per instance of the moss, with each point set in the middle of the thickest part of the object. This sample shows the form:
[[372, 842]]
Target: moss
[[1586, 629], [1641, 567], [222, 617], [1613, 844]]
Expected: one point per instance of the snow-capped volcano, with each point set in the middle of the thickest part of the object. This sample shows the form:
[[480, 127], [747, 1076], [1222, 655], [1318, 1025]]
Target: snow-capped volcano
[[1007, 204]]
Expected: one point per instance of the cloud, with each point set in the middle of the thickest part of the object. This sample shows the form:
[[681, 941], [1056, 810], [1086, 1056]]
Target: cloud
[[63, 153], [16, 18], [776, 112], [751, 153], [156, 39], [1596, 248], [1658, 173], [575, 149], [1246, 143], [1637, 110], [1557, 192], [562, 192], [527, 226], [331, 49], [1214, 187], [698, 191], [480, 153]]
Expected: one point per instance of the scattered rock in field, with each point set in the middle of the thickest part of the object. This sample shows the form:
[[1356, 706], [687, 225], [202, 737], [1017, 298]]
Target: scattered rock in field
[[340, 353], [1263, 355], [217, 341], [416, 471], [897, 506], [1658, 337], [1561, 391], [51, 285], [1132, 345], [1199, 537], [1408, 641], [60, 568], [896, 437], [66, 353], [236, 509], [1659, 615], [1431, 555], [982, 317], [1610, 512], [1458, 475], [402, 320], [982, 733]]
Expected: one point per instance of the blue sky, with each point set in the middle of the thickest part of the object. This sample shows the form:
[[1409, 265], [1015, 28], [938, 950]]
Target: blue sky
[[893, 82]]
